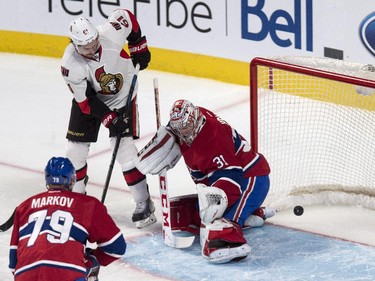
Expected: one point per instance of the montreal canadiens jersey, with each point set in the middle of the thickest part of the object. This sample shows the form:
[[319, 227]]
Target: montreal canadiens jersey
[[220, 156], [110, 73], [50, 233]]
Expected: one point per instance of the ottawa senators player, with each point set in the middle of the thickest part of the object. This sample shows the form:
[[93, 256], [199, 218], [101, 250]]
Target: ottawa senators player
[[98, 71]]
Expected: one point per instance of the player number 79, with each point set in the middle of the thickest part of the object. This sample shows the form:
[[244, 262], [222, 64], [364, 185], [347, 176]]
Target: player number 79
[[60, 221]]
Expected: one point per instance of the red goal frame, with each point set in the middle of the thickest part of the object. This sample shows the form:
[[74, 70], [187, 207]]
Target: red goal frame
[[258, 61]]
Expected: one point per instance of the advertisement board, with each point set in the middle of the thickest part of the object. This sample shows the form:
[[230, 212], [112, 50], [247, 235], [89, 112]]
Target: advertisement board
[[217, 32]]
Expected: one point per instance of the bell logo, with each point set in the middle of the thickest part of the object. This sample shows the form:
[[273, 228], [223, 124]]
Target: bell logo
[[367, 32], [285, 29]]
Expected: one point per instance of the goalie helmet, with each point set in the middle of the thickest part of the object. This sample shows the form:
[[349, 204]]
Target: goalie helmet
[[185, 120], [82, 32], [60, 173]]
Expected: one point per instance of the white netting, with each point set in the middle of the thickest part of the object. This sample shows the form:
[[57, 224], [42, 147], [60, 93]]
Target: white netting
[[317, 134], [327, 64]]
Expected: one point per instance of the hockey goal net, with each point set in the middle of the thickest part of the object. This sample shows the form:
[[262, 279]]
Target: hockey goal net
[[315, 129]]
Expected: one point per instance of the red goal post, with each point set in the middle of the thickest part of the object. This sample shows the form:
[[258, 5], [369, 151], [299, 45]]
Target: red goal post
[[317, 131]]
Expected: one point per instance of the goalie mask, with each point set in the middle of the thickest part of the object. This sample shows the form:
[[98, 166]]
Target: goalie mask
[[60, 174], [185, 120]]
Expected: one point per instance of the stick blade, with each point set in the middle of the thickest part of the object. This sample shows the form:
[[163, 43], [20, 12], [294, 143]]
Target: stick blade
[[9, 223], [179, 242]]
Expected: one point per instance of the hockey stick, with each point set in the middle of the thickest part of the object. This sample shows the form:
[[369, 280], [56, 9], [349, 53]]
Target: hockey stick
[[118, 138], [9, 223], [169, 238]]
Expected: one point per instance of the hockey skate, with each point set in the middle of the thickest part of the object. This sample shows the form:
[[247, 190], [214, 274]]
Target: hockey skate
[[144, 214], [260, 215]]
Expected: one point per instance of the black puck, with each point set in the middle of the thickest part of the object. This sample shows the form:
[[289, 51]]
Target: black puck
[[298, 210]]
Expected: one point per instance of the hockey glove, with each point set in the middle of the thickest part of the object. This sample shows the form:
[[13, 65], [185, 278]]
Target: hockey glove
[[115, 124], [139, 52], [92, 267]]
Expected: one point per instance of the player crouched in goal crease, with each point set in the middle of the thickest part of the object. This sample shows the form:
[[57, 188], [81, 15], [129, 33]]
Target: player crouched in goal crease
[[231, 179], [51, 229]]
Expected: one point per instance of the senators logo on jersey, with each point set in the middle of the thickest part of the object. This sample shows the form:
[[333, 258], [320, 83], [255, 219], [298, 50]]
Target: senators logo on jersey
[[110, 84]]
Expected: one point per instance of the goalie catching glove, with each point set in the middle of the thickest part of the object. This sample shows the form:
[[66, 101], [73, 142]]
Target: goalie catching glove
[[162, 152], [212, 202]]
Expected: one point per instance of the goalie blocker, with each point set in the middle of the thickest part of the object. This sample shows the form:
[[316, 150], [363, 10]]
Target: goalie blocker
[[162, 152], [185, 214]]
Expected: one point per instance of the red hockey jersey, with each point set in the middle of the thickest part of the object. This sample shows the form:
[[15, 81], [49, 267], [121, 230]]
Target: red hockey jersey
[[50, 233], [220, 156]]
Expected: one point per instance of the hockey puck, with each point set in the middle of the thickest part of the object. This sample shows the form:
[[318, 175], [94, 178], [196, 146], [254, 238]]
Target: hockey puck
[[298, 210]]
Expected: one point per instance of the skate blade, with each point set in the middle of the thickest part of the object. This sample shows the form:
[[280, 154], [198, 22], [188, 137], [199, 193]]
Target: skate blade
[[146, 222]]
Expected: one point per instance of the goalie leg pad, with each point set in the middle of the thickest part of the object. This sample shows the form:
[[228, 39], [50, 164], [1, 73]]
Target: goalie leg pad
[[223, 241], [259, 216], [225, 255], [162, 152], [185, 213], [212, 202]]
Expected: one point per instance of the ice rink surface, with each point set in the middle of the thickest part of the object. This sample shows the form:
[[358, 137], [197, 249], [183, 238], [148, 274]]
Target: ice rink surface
[[325, 243]]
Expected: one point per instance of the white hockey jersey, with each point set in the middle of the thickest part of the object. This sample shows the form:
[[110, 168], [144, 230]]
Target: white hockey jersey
[[111, 70]]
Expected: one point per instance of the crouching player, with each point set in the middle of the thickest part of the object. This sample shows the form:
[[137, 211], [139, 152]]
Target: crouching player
[[231, 179], [51, 229]]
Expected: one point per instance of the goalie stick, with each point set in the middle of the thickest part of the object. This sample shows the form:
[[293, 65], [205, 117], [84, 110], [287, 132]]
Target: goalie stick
[[118, 138], [9, 223], [168, 236]]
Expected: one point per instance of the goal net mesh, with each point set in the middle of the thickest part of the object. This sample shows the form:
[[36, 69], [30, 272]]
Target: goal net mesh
[[317, 133]]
